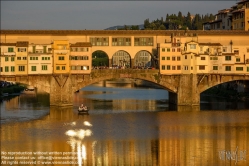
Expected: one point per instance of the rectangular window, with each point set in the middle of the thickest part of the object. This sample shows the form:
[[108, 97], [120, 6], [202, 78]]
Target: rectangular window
[[227, 68], [215, 67], [173, 58], [6, 68], [236, 51], [21, 68], [239, 68], [21, 49], [192, 46], [12, 68], [163, 49], [46, 58], [247, 69], [168, 58], [33, 49], [203, 58], [33, 68], [228, 58], [10, 49], [1, 69], [201, 67], [12, 59], [63, 68], [19, 58], [247, 49], [178, 67], [237, 59], [6, 59], [185, 67], [178, 58], [168, 67], [168, 49], [224, 49], [163, 58], [178, 49], [173, 67], [42, 58], [44, 49], [173, 50], [163, 67], [186, 57], [57, 67], [61, 57], [44, 67], [24, 58]]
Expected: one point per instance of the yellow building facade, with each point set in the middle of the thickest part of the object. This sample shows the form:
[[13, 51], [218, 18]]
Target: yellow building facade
[[7, 58], [177, 52], [61, 52]]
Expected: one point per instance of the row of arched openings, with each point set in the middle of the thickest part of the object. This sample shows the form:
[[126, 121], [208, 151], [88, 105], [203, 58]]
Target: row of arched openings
[[122, 59]]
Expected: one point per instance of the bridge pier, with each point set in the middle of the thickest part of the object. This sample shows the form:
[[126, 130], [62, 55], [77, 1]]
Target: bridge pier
[[187, 97], [61, 91]]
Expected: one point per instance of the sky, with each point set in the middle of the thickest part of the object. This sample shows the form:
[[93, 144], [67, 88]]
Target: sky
[[96, 15]]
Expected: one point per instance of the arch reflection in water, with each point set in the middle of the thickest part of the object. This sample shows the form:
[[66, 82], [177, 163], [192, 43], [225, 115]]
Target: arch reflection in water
[[76, 138]]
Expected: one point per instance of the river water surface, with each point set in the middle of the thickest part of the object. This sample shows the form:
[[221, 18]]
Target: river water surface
[[125, 126]]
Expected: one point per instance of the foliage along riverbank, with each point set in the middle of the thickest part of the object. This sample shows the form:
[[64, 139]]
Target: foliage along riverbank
[[11, 90]]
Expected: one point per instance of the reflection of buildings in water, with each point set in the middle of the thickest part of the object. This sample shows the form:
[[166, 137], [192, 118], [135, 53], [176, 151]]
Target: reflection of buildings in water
[[197, 143], [12, 104]]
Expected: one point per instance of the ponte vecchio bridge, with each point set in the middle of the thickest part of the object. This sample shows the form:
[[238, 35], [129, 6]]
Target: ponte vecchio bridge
[[189, 62], [184, 89]]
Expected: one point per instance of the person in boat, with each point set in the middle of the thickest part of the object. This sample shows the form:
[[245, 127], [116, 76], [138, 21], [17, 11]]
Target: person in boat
[[82, 107]]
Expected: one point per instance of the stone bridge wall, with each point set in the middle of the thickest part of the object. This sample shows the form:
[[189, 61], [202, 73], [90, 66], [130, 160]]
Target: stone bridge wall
[[183, 89]]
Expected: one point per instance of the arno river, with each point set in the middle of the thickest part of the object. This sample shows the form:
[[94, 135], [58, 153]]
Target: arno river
[[125, 126]]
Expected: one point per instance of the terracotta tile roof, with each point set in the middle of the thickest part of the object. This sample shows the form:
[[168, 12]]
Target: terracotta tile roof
[[8, 44], [123, 32], [81, 44], [210, 44], [22, 44]]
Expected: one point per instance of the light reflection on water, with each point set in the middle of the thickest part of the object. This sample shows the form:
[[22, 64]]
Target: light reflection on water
[[146, 134]]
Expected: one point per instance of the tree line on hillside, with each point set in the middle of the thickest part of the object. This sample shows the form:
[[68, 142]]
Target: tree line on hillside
[[174, 22]]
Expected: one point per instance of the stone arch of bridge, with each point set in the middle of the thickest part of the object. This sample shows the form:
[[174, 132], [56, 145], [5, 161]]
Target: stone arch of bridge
[[112, 75], [215, 83]]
